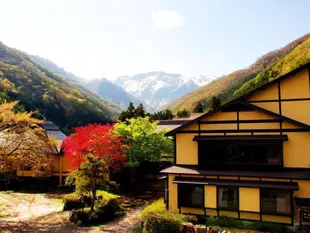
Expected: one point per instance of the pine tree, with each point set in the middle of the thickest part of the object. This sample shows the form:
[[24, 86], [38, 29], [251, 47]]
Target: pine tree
[[198, 108], [214, 103], [140, 112], [131, 110], [127, 114], [183, 113]]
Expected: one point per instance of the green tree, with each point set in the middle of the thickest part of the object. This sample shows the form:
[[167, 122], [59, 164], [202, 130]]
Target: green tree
[[131, 110], [129, 113], [198, 108], [123, 116], [146, 143], [89, 177], [140, 111], [214, 103], [162, 115], [183, 113]]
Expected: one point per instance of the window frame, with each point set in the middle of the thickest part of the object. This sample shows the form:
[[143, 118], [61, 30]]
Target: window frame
[[290, 193], [218, 198], [181, 202], [204, 163]]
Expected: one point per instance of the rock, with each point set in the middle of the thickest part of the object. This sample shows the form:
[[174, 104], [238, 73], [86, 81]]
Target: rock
[[214, 230], [201, 229], [73, 216], [189, 228]]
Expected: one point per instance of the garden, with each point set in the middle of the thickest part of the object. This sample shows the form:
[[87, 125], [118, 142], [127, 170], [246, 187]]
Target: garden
[[94, 153]]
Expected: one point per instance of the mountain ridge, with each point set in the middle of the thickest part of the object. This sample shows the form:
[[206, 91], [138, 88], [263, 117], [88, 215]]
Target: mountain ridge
[[226, 88], [49, 95], [112, 92]]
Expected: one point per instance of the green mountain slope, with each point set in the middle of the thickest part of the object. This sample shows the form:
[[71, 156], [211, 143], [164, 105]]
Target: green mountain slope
[[229, 87], [296, 58], [75, 81], [39, 89]]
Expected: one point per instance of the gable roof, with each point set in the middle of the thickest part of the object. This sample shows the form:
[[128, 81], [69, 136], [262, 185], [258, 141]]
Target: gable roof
[[242, 100], [52, 130]]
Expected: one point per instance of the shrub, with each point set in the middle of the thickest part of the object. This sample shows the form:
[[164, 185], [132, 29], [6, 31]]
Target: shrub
[[164, 222], [104, 211], [159, 220], [73, 201], [106, 195], [156, 206], [225, 222], [137, 229], [268, 227], [239, 224], [78, 201]]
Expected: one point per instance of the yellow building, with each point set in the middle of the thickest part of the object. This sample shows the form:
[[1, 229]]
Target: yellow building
[[61, 167], [250, 158]]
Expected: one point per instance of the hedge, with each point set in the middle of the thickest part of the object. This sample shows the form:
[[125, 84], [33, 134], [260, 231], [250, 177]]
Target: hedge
[[156, 219], [232, 223]]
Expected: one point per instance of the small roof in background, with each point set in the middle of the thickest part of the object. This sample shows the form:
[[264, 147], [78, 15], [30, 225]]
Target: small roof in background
[[175, 122], [49, 125], [52, 130]]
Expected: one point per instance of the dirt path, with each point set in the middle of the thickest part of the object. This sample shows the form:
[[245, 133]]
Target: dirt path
[[22, 206], [36, 213]]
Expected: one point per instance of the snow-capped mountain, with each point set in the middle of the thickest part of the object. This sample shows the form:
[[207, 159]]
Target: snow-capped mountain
[[159, 88], [109, 91]]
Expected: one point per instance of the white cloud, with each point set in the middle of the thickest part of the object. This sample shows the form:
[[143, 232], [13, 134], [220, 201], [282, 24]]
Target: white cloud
[[166, 19]]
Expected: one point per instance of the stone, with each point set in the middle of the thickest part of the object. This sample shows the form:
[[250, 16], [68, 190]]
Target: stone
[[201, 229], [73, 216]]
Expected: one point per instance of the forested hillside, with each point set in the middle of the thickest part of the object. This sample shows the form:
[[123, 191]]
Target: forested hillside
[[39, 89], [266, 68]]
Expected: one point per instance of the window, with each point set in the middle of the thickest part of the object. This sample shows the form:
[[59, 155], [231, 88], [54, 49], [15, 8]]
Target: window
[[228, 198], [274, 201], [240, 153], [190, 195]]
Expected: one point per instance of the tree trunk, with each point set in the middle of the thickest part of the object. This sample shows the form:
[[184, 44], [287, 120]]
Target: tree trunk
[[93, 192]]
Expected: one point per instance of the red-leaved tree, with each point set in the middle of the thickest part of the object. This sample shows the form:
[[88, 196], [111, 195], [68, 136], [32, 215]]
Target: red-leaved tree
[[97, 140]]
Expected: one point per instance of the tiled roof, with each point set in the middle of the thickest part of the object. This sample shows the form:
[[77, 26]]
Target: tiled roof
[[54, 131]]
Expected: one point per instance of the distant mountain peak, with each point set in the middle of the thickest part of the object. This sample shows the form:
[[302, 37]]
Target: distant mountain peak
[[158, 88]]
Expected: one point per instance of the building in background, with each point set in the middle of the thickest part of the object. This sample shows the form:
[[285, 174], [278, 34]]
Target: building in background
[[61, 167]]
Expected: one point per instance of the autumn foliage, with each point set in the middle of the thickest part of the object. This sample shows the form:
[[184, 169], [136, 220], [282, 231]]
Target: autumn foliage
[[97, 140]]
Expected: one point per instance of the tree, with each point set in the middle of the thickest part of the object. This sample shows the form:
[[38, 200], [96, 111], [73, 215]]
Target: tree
[[183, 113], [129, 113], [131, 110], [198, 108], [92, 150], [146, 144], [162, 115], [214, 103], [23, 142], [89, 177], [97, 140], [123, 116], [140, 112]]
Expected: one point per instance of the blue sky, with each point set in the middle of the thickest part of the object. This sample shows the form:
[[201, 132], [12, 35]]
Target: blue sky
[[98, 38]]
